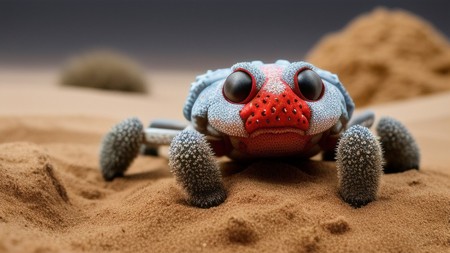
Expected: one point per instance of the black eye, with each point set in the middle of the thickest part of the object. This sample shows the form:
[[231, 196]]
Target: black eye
[[238, 86], [309, 84]]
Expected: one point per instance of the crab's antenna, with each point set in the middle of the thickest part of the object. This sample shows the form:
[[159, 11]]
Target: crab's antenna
[[400, 149], [359, 162], [119, 147]]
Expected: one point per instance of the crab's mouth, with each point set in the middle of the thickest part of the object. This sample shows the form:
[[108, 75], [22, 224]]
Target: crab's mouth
[[276, 131], [273, 142]]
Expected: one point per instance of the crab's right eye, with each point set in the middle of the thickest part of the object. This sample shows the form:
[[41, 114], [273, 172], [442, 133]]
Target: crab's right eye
[[238, 86]]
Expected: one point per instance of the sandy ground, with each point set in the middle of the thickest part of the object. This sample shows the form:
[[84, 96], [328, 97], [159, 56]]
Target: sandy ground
[[53, 198]]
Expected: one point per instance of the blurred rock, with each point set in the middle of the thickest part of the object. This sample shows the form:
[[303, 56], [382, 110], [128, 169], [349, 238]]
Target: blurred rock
[[104, 70]]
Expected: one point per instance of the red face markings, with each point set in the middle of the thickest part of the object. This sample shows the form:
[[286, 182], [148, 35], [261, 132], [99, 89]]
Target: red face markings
[[276, 105], [268, 110]]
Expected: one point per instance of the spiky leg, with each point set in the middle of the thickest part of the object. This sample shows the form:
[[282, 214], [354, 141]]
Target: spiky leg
[[359, 166], [193, 163], [365, 119], [400, 150], [119, 148]]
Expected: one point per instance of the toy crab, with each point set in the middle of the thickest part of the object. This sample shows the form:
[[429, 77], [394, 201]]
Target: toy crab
[[254, 110]]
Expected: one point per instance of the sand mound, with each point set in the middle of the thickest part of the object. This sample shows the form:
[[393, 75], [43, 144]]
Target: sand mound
[[29, 178], [105, 70], [386, 55], [53, 199]]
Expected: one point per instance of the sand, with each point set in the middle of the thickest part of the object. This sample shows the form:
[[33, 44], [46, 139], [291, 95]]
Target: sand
[[386, 55], [53, 198]]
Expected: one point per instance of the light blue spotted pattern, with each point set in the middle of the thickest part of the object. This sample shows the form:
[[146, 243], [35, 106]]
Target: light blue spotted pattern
[[206, 104]]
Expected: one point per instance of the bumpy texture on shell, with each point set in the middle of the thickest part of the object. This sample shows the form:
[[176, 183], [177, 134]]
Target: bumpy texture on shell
[[334, 80], [119, 147], [201, 83], [359, 166], [400, 149], [192, 161]]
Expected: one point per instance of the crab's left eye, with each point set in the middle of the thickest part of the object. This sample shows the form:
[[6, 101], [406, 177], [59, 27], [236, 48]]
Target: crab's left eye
[[238, 86], [309, 85]]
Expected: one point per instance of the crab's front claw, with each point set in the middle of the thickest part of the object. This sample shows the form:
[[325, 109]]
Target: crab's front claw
[[119, 148], [194, 165], [400, 149], [359, 166]]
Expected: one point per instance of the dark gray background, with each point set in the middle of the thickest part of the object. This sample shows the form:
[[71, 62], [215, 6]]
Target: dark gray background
[[170, 34]]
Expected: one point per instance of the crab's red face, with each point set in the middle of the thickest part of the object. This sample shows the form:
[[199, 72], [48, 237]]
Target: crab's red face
[[275, 106]]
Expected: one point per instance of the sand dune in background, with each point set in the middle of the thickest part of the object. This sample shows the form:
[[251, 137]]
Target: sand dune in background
[[386, 55]]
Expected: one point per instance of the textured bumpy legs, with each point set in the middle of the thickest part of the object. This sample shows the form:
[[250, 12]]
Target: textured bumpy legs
[[365, 119], [359, 166], [400, 150], [192, 161], [119, 148]]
